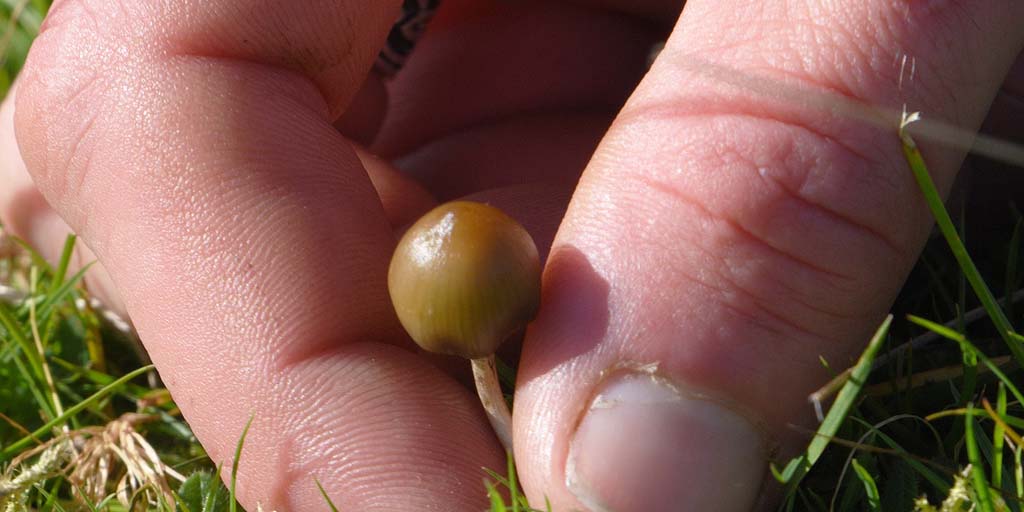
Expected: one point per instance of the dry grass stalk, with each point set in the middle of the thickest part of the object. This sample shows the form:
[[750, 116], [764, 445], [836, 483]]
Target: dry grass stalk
[[95, 457], [21, 476], [103, 451]]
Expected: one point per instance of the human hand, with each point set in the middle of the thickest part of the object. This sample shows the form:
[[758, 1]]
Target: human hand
[[725, 236]]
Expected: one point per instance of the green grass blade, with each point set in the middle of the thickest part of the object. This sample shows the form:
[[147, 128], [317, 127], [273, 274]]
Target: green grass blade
[[13, 448], [45, 308], [967, 345], [983, 499], [497, 503], [998, 432], [513, 485], [234, 464], [85, 499], [1009, 420], [97, 377], [210, 503], [51, 499], [1018, 472], [13, 327], [799, 466], [937, 481], [870, 487], [62, 268], [981, 289], [324, 494], [970, 361], [34, 387]]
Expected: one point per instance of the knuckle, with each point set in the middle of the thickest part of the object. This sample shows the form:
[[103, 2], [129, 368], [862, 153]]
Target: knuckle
[[769, 217]]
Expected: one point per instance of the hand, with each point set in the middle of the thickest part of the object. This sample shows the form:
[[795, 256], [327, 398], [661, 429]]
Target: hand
[[719, 241]]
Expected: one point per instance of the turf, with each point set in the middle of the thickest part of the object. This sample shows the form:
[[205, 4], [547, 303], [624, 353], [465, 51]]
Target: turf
[[930, 417]]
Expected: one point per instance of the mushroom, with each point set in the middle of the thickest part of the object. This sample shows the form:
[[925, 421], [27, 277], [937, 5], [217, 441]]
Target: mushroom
[[463, 279]]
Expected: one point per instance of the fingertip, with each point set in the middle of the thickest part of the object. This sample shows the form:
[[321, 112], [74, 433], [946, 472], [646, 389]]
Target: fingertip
[[26, 214], [724, 233], [377, 426], [403, 199]]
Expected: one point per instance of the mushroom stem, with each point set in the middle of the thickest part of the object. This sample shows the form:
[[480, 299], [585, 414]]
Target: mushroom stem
[[485, 374]]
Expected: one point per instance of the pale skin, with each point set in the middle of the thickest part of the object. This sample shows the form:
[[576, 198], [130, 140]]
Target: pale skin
[[202, 150]]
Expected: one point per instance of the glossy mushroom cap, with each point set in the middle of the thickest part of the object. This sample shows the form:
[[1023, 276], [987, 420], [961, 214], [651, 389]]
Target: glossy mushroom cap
[[464, 278]]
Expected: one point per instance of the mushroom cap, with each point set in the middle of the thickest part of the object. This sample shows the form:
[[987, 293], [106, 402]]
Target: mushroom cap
[[464, 278]]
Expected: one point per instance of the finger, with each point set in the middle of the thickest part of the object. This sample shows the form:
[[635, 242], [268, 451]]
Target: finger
[[657, 10], [727, 233], [403, 199], [25, 214], [1014, 83], [528, 149], [191, 145], [482, 62], [989, 186], [1004, 116]]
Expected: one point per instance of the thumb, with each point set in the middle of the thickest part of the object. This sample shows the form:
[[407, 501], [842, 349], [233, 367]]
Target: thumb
[[728, 233]]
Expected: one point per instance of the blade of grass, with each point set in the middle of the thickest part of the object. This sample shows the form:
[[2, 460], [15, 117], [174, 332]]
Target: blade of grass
[[51, 499], [210, 504], [518, 501], [97, 377], [983, 498], [970, 361], [513, 485], [870, 487], [84, 498], [233, 503], [324, 494], [962, 411], [11, 324], [34, 387], [948, 333], [798, 467], [40, 432], [497, 503], [1018, 472], [945, 224], [34, 327], [937, 481], [997, 438], [915, 463], [1004, 421], [62, 267], [45, 308], [10, 29]]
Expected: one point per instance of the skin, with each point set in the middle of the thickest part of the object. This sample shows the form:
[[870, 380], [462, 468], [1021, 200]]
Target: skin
[[204, 151]]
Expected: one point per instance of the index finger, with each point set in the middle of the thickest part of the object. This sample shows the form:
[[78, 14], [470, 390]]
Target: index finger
[[190, 144]]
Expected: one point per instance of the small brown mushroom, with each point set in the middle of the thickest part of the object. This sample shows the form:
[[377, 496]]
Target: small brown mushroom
[[463, 279]]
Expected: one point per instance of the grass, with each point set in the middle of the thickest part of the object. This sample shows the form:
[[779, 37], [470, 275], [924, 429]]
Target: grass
[[929, 419], [19, 24]]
